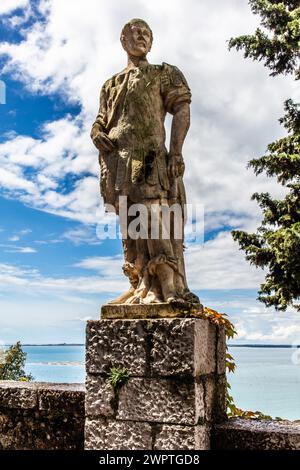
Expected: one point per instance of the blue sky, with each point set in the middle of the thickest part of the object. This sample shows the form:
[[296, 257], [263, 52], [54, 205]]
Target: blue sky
[[54, 56]]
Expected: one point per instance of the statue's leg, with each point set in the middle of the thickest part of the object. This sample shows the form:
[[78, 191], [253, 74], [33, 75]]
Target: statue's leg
[[130, 267], [141, 262], [162, 265], [129, 270], [138, 257]]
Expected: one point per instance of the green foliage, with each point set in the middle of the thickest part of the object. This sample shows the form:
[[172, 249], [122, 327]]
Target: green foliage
[[12, 363], [277, 43], [275, 246], [283, 157], [118, 377]]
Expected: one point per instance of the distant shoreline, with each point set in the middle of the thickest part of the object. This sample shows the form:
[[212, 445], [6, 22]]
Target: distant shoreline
[[264, 345], [49, 344], [229, 344]]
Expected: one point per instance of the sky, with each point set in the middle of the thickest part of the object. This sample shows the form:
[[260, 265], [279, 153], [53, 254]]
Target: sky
[[55, 55]]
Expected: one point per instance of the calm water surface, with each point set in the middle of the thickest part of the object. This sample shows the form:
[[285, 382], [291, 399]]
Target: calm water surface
[[268, 380]]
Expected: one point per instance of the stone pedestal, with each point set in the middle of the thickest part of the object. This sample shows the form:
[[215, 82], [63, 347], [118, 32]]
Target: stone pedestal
[[176, 386]]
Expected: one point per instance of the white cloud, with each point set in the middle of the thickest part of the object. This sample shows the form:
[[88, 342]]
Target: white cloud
[[78, 300], [108, 266], [32, 282], [218, 264], [12, 181], [83, 234], [253, 321], [261, 325], [7, 6], [17, 249], [85, 319], [61, 151], [25, 231], [14, 238], [19, 235], [20, 249]]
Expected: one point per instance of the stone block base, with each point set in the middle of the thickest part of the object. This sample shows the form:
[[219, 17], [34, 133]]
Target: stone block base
[[175, 390], [135, 435], [136, 311]]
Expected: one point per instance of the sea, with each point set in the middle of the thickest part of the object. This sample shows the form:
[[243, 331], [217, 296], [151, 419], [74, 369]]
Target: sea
[[266, 379]]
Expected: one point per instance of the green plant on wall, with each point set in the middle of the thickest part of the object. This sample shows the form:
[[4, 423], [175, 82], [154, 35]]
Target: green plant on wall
[[118, 377], [12, 363]]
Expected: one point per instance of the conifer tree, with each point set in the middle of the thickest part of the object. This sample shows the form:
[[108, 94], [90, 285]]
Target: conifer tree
[[276, 244]]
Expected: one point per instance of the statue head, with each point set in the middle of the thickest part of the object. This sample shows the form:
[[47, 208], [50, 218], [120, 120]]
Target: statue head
[[136, 38]]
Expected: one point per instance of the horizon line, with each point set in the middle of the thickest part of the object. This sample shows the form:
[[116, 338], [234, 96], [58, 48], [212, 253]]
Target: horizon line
[[249, 345]]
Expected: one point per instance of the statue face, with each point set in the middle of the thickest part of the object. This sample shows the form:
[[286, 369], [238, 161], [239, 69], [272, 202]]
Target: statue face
[[137, 40]]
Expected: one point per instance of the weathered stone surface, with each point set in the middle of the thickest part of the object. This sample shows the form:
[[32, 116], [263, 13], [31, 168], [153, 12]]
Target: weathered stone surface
[[210, 395], [221, 350], [100, 397], [58, 425], [173, 437], [183, 346], [219, 407], [157, 347], [22, 429], [243, 434], [17, 395], [161, 400], [137, 311], [205, 347], [117, 435], [63, 397], [116, 343], [214, 398]]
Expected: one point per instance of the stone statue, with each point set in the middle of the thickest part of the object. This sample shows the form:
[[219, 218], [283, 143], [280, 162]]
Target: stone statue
[[135, 165]]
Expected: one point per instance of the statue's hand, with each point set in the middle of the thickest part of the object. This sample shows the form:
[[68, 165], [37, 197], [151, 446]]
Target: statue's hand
[[176, 166], [103, 142]]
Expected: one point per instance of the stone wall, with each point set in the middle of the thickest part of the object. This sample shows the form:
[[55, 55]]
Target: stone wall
[[176, 388], [42, 416], [245, 434], [47, 416]]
